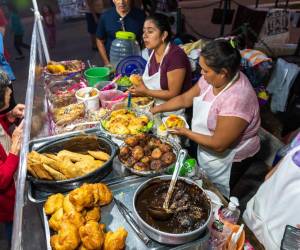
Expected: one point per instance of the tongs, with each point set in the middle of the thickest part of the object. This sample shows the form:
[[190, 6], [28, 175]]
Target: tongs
[[127, 214]]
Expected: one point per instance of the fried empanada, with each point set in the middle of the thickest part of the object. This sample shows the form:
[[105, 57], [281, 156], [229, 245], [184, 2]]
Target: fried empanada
[[56, 219], [40, 171], [115, 240], [91, 235], [66, 239], [30, 170], [75, 218], [53, 203], [55, 174], [105, 194], [68, 205], [82, 197], [73, 156], [99, 155], [93, 214]]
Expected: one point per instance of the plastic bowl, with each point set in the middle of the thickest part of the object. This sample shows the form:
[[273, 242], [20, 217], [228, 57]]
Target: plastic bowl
[[106, 98], [91, 103], [241, 240], [96, 75]]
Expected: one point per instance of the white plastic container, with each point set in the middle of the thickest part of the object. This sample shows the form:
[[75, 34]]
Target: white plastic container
[[91, 102]]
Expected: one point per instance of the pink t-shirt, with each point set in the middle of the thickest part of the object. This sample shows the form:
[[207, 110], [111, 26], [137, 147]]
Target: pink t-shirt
[[238, 100]]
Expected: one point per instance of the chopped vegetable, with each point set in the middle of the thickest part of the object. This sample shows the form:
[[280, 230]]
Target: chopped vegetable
[[124, 81]]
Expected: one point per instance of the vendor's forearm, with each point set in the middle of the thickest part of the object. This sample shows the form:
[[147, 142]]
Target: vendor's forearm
[[102, 52], [160, 94], [175, 103], [206, 141]]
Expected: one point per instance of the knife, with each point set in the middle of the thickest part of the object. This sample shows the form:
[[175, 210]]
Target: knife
[[131, 221]]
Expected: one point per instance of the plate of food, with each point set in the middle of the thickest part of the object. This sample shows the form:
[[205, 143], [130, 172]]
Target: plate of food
[[54, 68], [145, 154], [122, 123], [174, 121]]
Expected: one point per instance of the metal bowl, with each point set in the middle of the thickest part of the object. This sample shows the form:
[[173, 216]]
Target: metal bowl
[[176, 148], [122, 137], [75, 143], [163, 237]]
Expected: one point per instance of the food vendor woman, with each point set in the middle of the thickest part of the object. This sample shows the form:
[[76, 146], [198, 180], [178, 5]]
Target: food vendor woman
[[168, 71], [226, 116]]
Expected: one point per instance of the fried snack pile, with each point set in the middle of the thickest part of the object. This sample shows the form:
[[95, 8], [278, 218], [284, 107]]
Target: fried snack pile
[[125, 122], [146, 153], [75, 220], [174, 121], [66, 67], [140, 101], [65, 164], [68, 114]]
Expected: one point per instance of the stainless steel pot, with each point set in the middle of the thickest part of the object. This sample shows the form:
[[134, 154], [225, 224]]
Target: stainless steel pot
[[163, 237], [76, 143]]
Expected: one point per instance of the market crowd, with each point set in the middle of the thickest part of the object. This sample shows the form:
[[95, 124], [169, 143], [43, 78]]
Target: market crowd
[[222, 106]]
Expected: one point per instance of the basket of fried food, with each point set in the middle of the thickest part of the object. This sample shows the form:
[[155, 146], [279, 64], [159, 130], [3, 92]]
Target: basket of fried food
[[63, 68], [122, 123], [75, 220], [146, 155], [66, 162]]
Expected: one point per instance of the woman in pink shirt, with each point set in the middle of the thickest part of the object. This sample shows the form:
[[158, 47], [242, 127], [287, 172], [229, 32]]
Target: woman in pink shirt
[[226, 115]]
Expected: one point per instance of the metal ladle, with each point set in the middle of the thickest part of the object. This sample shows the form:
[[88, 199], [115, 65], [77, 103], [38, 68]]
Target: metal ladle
[[164, 213]]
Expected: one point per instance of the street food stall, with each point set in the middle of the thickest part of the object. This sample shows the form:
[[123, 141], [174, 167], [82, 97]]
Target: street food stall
[[89, 172]]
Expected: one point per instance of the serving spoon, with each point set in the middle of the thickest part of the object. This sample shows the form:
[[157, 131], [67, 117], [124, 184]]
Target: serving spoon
[[164, 213]]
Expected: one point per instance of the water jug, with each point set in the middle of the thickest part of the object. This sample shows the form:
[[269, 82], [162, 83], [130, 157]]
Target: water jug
[[123, 46]]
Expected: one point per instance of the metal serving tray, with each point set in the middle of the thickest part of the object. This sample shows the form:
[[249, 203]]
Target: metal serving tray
[[123, 190]]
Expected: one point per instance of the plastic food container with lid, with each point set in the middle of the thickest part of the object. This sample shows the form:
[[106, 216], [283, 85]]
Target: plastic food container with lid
[[110, 98]]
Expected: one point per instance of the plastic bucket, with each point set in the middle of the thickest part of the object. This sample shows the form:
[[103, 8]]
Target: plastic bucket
[[96, 75], [91, 103], [107, 98]]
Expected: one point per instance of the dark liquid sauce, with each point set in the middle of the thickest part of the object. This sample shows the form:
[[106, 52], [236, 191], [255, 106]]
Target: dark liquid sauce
[[191, 207]]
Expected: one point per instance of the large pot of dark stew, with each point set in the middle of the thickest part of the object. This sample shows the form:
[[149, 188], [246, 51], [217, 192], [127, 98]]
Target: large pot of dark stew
[[191, 210]]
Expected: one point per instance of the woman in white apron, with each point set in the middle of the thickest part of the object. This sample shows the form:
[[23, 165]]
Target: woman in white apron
[[225, 114], [276, 203], [168, 71], [9, 154]]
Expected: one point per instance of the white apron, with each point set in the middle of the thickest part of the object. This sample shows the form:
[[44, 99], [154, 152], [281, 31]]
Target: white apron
[[216, 166], [153, 82], [276, 204]]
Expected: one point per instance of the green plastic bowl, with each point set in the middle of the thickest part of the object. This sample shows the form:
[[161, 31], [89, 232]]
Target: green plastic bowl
[[96, 74]]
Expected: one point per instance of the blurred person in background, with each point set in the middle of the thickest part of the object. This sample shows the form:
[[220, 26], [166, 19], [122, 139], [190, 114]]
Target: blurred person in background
[[93, 10], [5, 66], [121, 17], [10, 145], [49, 22], [18, 31]]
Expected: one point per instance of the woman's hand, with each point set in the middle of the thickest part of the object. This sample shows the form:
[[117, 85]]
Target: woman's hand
[[17, 112], [139, 90], [16, 137], [180, 131]]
